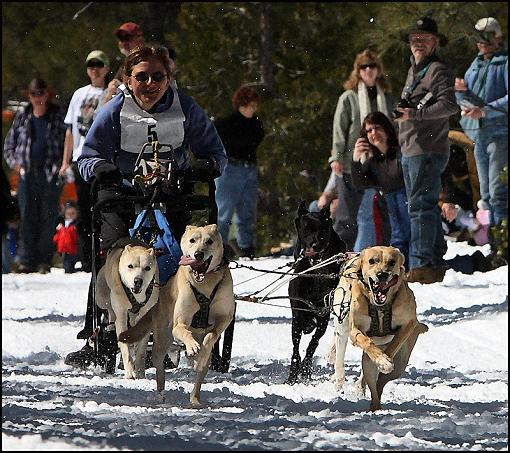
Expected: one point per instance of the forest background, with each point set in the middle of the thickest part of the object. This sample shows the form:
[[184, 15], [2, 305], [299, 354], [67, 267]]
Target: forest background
[[297, 54]]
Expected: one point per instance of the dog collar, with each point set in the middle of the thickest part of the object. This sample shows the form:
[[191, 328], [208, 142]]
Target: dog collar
[[135, 305]]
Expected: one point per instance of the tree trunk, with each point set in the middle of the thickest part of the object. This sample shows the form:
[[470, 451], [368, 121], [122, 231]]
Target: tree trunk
[[266, 48]]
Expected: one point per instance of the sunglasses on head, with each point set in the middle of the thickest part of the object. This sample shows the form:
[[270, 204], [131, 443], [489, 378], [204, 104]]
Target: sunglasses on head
[[368, 65], [144, 77], [37, 93], [95, 64]]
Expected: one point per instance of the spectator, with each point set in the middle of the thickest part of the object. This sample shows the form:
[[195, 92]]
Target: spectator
[[367, 90], [427, 102], [11, 217], [327, 197], [376, 162], [129, 37], [113, 144], [33, 148], [80, 114], [483, 96], [66, 238], [236, 190]]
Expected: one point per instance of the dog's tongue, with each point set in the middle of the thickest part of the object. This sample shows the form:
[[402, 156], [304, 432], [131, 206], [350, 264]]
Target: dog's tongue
[[187, 260], [382, 286], [310, 252]]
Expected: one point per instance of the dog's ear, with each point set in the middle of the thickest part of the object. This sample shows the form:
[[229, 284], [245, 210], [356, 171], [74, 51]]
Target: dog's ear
[[301, 211], [190, 227], [402, 261], [127, 248], [324, 212], [151, 251]]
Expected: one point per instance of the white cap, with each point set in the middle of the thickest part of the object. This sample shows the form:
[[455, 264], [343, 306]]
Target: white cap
[[489, 25]]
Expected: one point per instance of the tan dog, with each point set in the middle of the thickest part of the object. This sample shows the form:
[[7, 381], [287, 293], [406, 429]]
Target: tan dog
[[127, 287], [381, 318], [196, 306]]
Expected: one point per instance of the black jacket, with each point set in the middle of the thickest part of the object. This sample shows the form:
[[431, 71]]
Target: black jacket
[[240, 136], [383, 172]]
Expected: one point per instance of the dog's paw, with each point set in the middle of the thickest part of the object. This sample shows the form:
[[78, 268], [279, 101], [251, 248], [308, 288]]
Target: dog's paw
[[195, 402], [192, 348], [339, 382], [139, 374], [384, 364], [361, 387], [157, 397]]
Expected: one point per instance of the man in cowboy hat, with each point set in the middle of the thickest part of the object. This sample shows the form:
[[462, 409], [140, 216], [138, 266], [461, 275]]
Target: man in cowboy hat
[[427, 102], [483, 96]]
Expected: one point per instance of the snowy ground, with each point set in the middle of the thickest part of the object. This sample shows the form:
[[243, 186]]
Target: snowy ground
[[454, 395]]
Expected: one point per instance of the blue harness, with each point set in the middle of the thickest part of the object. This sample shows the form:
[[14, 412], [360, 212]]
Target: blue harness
[[155, 231]]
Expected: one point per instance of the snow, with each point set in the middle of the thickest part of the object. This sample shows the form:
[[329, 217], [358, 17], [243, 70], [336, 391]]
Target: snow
[[453, 395]]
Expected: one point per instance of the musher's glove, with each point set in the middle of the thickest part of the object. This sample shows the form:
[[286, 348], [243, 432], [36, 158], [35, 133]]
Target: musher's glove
[[203, 169], [107, 173]]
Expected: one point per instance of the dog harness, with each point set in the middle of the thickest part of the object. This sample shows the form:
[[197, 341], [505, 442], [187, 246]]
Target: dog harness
[[135, 305], [380, 321], [201, 317]]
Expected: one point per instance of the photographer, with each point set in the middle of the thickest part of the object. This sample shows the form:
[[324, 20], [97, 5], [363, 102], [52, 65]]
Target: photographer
[[428, 101], [148, 108]]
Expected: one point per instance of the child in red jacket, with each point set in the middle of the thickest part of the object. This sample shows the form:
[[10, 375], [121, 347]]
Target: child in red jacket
[[66, 238]]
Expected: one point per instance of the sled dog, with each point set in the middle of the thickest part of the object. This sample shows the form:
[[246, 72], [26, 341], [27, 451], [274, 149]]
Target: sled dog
[[126, 286], [381, 319], [196, 306], [316, 242]]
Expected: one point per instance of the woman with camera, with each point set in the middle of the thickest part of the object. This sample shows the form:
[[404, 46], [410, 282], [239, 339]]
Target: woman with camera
[[367, 90], [376, 164]]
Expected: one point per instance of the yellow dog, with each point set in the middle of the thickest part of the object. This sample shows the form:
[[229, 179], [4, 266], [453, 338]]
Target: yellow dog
[[381, 318]]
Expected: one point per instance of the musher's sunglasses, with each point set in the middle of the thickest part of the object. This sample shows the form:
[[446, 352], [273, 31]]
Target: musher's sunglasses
[[369, 65], [143, 77]]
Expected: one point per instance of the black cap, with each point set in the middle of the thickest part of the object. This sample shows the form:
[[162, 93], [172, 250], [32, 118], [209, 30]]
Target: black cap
[[424, 25]]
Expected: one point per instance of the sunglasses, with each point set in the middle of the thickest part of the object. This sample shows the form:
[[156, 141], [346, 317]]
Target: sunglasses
[[143, 77], [124, 37], [95, 64], [369, 65], [37, 93]]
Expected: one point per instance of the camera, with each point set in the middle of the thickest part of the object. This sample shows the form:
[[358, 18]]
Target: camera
[[403, 103]]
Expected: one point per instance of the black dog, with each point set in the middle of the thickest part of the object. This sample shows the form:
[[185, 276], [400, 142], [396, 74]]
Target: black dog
[[316, 241]]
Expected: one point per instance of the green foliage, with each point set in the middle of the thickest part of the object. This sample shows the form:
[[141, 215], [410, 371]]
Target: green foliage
[[218, 47]]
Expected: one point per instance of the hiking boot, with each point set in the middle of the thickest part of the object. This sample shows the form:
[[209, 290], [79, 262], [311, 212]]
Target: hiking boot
[[84, 333], [440, 272], [24, 269], [423, 274], [82, 358], [44, 268], [248, 252]]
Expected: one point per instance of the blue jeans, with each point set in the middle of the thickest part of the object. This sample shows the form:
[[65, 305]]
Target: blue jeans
[[236, 191], [400, 223], [38, 203], [491, 155], [365, 219], [422, 176]]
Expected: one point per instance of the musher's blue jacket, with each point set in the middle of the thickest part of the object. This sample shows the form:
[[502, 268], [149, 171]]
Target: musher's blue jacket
[[103, 141]]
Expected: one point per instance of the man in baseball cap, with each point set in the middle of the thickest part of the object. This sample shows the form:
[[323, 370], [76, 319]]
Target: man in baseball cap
[[486, 28], [129, 35], [483, 96]]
